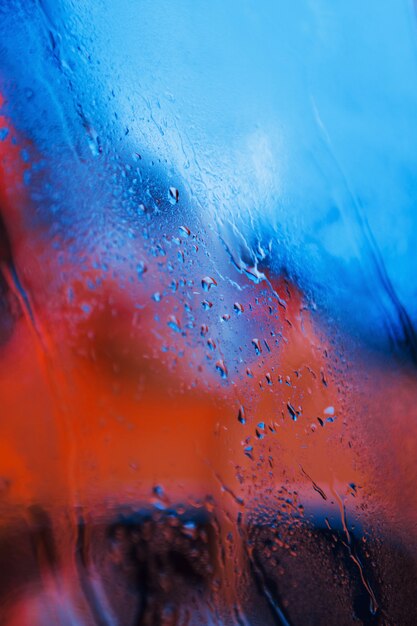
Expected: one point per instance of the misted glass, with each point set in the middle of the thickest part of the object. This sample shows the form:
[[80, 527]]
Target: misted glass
[[207, 313]]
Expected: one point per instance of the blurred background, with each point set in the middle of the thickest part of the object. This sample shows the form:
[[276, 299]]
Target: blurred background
[[207, 313]]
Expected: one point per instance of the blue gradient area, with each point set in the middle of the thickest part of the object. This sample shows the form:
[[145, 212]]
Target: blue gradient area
[[292, 125]]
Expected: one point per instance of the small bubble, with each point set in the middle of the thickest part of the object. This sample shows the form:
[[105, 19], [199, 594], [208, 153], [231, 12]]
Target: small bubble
[[207, 283], [173, 195], [206, 304], [226, 317], [238, 307], [185, 231], [157, 296]]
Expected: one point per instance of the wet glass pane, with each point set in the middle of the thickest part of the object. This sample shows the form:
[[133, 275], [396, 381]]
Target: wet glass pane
[[207, 313]]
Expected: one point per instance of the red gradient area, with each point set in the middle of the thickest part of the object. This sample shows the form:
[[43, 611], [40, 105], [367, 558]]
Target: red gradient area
[[63, 396]]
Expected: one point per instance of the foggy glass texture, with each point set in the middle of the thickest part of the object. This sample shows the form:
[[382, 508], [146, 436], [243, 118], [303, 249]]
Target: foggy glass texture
[[208, 303]]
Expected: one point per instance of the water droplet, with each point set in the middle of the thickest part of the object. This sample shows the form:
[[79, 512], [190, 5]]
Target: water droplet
[[292, 412], [221, 368], [158, 491], [207, 304], [207, 283], [254, 274], [203, 330], [93, 141], [241, 415], [238, 307], [248, 452], [140, 269], [157, 296], [226, 317], [160, 499], [173, 195], [174, 324], [190, 529], [211, 344], [257, 344], [185, 231]]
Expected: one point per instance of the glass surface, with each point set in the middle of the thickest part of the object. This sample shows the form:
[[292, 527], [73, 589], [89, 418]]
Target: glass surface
[[208, 352]]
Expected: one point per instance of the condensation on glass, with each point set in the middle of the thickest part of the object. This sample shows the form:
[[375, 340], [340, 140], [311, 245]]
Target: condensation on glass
[[207, 310]]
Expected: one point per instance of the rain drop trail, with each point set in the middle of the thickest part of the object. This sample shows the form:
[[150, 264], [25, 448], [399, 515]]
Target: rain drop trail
[[315, 485], [373, 602], [263, 586], [44, 351]]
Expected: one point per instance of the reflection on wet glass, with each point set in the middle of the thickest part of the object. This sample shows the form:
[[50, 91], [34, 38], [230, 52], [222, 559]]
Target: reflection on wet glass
[[207, 311]]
